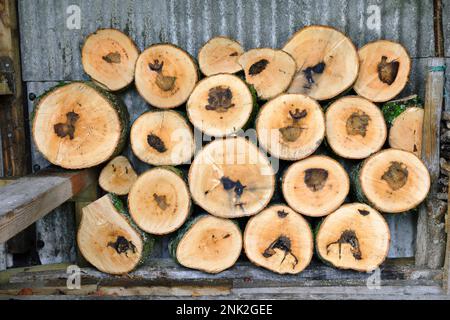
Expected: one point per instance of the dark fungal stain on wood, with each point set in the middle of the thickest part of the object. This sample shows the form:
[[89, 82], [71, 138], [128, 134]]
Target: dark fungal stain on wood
[[219, 99], [258, 67], [161, 201], [282, 243], [310, 71], [291, 133], [348, 237], [282, 213], [396, 176], [363, 212], [156, 143], [165, 83], [357, 124], [122, 245], [387, 71], [112, 57], [68, 128], [234, 54], [229, 184], [315, 178]]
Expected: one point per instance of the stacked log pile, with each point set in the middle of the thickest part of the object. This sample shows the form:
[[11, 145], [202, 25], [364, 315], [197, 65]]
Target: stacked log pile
[[348, 151]]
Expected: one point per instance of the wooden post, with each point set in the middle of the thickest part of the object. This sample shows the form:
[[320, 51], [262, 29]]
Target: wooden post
[[430, 242], [12, 121]]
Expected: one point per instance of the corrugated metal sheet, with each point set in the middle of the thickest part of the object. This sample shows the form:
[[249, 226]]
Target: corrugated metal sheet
[[51, 52]]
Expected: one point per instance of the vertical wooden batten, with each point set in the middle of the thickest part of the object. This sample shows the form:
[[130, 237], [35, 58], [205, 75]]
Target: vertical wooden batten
[[12, 122], [431, 237]]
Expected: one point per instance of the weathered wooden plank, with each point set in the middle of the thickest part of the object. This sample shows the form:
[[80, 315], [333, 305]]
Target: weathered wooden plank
[[446, 270], [32, 197], [166, 272], [430, 241]]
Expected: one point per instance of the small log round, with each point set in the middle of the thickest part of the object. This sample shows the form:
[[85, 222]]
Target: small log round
[[220, 55], [315, 186], [231, 178], [291, 126], [159, 200], [109, 58], [117, 176], [327, 62], [393, 181], [78, 125], [384, 70], [355, 127], [162, 138], [220, 105], [353, 237], [165, 75], [207, 243], [269, 71], [109, 240], [279, 239]]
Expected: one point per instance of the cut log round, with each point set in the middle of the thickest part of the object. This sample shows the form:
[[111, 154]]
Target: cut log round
[[393, 180], [327, 62], [279, 239], [384, 70], [79, 125], [159, 200], [109, 58], [355, 127], [353, 237], [220, 55], [291, 126], [220, 105], [165, 75], [109, 240], [315, 186], [231, 178], [207, 243], [162, 138], [117, 176], [269, 71], [405, 117]]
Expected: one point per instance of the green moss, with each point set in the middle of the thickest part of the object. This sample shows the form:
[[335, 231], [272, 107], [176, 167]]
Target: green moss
[[393, 109]]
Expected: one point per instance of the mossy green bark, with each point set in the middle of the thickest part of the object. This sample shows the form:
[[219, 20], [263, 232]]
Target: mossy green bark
[[393, 109]]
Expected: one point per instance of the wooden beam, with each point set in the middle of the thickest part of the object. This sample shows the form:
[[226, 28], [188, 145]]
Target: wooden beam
[[3, 249], [446, 271], [430, 241], [32, 197]]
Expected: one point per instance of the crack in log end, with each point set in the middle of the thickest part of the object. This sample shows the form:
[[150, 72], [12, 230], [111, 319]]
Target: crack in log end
[[396, 176], [349, 237], [258, 67], [67, 129], [282, 214], [357, 124], [229, 184], [219, 99], [282, 243], [387, 71], [290, 133], [161, 201], [156, 143], [122, 245], [112, 57], [363, 212], [315, 178], [234, 54], [310, 71]]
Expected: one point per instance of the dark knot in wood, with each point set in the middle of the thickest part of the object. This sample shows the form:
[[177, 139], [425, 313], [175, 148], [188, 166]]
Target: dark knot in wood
[[122, 245], [219, 99], [348, 237], [68, 128], [387, 71]]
